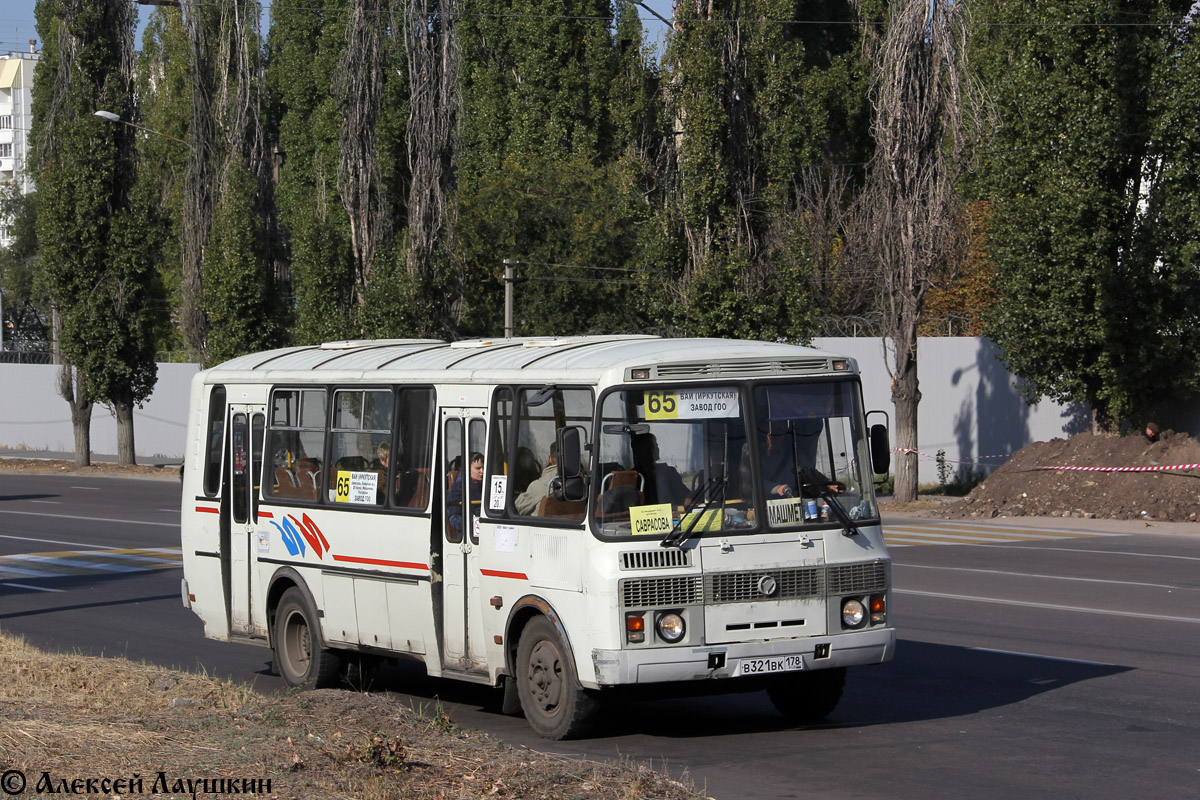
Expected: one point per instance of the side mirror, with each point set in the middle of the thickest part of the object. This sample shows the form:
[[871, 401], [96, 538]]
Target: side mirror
[[571, 484], [881, 450]]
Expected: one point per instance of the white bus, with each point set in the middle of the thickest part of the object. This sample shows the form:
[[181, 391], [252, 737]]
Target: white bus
[[558, 517]]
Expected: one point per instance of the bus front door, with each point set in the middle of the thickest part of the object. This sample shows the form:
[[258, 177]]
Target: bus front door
[[243, 474], [463, 437]]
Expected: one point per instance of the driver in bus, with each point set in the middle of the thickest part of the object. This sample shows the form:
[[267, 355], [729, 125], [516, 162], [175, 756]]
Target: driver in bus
[[788, 452], [662, 483]]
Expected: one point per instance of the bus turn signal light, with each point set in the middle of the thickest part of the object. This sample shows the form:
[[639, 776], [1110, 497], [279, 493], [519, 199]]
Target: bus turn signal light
[[635, 628], [878, 609]]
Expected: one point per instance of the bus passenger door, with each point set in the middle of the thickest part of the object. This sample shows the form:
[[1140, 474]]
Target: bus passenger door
[[463, 435], [244, 474]]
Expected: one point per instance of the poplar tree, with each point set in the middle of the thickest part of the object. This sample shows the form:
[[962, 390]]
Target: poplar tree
[[1092, 178], [92, 252]]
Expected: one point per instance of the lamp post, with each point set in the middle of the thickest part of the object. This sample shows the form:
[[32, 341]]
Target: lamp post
[[111, 117]]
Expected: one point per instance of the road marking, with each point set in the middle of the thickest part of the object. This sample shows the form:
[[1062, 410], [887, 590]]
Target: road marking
[[94, 519], [87, 488], [47, 502], [34, 588], [104, 561], [1094, 552], [51, 541], [1050, 606], [1039, 575], [1044, 658], [925, 533]]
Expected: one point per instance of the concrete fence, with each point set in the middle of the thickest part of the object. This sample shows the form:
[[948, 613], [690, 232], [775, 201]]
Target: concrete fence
[[970, 407]]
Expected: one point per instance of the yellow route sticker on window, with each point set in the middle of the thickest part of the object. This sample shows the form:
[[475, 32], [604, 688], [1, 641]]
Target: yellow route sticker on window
[[652, 520], [692, 404]]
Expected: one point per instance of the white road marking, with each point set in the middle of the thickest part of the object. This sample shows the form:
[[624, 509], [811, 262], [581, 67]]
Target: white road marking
[[94, 519], [1044, 658], [87, 488], [34, 588], [47, 502], [1038, 575], [1049, 606]]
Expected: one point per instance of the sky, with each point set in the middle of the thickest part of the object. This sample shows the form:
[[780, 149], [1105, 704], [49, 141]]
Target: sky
[[18, 25]]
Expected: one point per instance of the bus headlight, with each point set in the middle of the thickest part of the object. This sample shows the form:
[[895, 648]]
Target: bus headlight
[[670, 627], [853, 612]]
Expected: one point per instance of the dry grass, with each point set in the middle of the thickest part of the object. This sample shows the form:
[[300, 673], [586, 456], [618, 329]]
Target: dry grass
[[50, 466], [80, 716]]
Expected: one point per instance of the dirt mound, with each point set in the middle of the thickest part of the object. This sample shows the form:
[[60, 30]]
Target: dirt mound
[[1024, 487]]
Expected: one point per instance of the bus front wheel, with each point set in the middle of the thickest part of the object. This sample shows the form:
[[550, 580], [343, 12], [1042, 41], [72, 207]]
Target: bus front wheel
[[298, 653], [810, 696], [555, 705]]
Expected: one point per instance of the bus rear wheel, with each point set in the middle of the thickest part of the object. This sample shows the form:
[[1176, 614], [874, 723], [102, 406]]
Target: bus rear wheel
[[299, 656], [555, 704], [810, 696]]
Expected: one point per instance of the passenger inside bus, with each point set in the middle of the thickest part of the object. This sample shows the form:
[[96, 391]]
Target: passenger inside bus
[[454, 498], [529, 501]]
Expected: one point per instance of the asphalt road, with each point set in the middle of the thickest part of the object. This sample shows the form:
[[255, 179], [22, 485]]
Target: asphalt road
[[1046, 663]]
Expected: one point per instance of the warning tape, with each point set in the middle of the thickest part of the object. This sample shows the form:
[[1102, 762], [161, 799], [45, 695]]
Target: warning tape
[[1057, 468], [1125, 469]]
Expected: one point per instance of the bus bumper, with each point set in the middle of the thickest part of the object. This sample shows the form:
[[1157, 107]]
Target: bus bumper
[[669, 664]]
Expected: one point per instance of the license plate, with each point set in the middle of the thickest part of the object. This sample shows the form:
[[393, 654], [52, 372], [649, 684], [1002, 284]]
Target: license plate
[[763, 666]]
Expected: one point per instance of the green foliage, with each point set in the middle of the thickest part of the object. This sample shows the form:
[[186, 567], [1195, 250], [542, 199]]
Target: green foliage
[[1087, 311], [233, 279]]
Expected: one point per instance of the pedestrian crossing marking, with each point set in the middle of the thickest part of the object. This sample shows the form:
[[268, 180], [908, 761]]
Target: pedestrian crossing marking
[[73, 563], [927, 533]]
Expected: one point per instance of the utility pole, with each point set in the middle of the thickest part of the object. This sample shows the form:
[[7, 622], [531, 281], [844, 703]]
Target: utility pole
[[509, 279]]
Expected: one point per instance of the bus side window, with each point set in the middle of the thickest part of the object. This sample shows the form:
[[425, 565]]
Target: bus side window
[[538, 424], [413, 451], [514, 480], [216, 439], [295, 444], [361, 445]]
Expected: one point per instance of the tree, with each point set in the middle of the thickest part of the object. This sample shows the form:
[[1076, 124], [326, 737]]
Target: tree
[[757, 99], [1094, 169], [536, 176], [927, 122], [25, 312], [92, 255]]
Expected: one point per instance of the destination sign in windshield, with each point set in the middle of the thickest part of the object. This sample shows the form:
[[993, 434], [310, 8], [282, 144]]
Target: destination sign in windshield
[[696, 403]]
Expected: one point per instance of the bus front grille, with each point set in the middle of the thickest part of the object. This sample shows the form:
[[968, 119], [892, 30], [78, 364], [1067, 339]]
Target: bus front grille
[[858, 578], [685, 590], [755, 586], [782, 584]]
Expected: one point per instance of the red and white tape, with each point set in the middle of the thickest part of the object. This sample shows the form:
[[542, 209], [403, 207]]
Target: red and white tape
[[1124, 469], [1172, 467]]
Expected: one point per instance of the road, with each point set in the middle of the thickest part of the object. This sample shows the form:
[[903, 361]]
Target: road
[[1062, 662]]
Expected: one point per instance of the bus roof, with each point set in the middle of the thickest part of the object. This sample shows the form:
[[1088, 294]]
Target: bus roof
[[584, 359]]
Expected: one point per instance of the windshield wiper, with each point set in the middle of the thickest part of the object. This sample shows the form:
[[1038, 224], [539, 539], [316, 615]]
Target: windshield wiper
[[822, 491], [679, 534]]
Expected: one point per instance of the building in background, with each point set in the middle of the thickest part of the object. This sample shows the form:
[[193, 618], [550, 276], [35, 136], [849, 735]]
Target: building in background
[[16, 119]]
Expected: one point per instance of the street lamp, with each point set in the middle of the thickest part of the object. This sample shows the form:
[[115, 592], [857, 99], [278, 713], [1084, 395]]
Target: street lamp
[[111, 117]]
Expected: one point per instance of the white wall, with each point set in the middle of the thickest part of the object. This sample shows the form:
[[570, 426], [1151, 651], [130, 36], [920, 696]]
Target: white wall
[[34, 417], [970, 404]]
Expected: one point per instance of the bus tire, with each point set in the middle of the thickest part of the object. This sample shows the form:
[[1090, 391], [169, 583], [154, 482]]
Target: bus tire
[[555, 704], [810, 696], [299, 657]]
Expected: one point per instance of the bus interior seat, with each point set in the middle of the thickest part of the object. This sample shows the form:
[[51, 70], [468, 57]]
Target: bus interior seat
[[286, 484], [619, 490], [563, 509], [420, 495]]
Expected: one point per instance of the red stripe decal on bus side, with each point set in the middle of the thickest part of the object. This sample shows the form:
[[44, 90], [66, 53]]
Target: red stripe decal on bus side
[[495, 573], [207, 510], [381, 562], [265, 515]]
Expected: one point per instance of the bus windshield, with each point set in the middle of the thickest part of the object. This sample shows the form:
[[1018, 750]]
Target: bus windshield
[[675, 462]]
